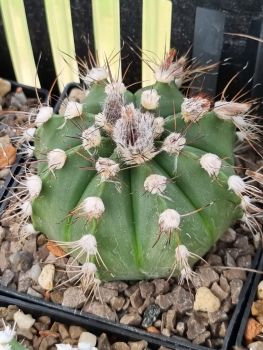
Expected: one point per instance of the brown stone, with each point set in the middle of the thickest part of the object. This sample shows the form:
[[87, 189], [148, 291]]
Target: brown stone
[[253, 329]]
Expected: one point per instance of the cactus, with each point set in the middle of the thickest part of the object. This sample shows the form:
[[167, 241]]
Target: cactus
[[138, 186]]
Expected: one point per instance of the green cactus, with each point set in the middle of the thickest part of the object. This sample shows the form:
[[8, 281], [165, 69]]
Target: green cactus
[[136, 236]]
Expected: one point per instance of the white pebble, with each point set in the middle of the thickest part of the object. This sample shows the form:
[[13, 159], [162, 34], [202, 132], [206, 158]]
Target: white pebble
[[88, 339], [35, 272], [206, 301], [260, 290], [46, 277], [23, 321]]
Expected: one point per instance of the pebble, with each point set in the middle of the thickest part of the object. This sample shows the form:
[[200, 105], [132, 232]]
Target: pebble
[[207, 275], [138, 345], [117, 303], [147, 289], [120, 346], [258, 345], [235, 288], [235, 274], [206, 301], [35, 272], [101, 310], [170, 320], [24, 282], [21, 261], [161, 286], [105, 294], [25, 333], [7, 277], [201, 338], [75, 331], [133, 319], [180, 328], [23, 321], [34, 293], [136, 299], [195, 327], [253, 329], [2, 232], [182, 300], [5, 87], [218, 291], [73, 297], [63, 331], [150, 315], [244, 261], [116, 285], [164, 301], [260, 290], [56, 296], [89, 338], [229, 236], [229, 260], [215, 260], [103, 342], [46, 277]]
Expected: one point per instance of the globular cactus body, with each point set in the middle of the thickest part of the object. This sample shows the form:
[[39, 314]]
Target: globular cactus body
[[133, 239]]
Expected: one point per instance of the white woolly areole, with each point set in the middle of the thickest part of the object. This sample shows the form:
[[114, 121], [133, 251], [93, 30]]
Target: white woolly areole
[[29, 229], [169, 220], [106, 168], [211, 163], [236, 184], [194, 108], [155, 184], [158, 126], [56, 159], [134, 136], [26, 208], [116, 87], [73, 110], [89, 268], [33, 185], [241, 136], [89, 244], [91, 138], [245, 202], [174, 143], [165, 75], [93, 207], [7, 335], [227, 110], [150, 99], [95, 74], [43, 115], [28, 134]]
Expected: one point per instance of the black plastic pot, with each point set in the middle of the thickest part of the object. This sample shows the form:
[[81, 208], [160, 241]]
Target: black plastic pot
[[252, 294], [30, 91]]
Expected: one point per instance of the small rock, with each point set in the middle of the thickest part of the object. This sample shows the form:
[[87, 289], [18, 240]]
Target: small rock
[[75, 331], [5, 87], [207, 275], [180, 328], [235, 252], [7, 277], [136, 299], [206, 301], [129, 291], [146, 288], [229, 236], [74, 297], [229, 260], [138, 345], [214, 260], [244, 261], [34, 293], [21, 261], [105, 294], [35, 272], [150, 315], [149, 300], [241, 242], [235, 274], [45, 320], [258, 345], [25, 333], [170, 320], [164, 301], [23, 321], [116, 285], [253, 329], [2, 232], [88, 338], [166, 332], [47, 342], [257, 308], [133, 319], [153, 330], [235, 287], [63, 331], [217, 316], [103, 342], [46, 277], [260, 290], [98, 309], [24, 282], [41, 239], [117, 303], [222, 330], [182, 300], [161, 286], [226, 305], [224, 284], [201, 338], [56, 296], [120, 346], [218, 291], [194, 327], [30, 245]]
